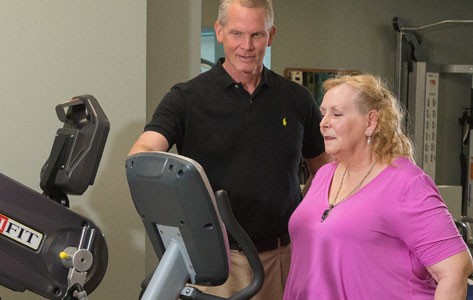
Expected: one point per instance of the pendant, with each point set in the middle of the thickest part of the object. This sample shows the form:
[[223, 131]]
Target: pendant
[[326, 213]]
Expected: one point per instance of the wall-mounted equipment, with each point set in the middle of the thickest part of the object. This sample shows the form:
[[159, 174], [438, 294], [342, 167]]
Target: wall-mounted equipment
[[438, 98]]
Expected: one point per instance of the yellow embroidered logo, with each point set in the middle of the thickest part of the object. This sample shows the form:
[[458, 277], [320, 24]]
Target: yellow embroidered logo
[[284, 122]]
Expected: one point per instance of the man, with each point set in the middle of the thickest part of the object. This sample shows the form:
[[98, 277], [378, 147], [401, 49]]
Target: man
[[247, 127]]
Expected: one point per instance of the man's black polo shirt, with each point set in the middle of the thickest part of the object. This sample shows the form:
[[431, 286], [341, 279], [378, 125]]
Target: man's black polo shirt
[[248, 145]]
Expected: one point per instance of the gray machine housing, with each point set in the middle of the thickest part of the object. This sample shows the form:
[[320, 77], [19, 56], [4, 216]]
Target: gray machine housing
[[174, 189], [187, 223]]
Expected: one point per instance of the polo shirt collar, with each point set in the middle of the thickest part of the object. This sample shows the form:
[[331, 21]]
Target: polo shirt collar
[[226, 81]]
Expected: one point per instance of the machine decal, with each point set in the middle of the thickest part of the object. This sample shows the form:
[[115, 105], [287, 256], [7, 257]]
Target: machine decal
[[20, 232]]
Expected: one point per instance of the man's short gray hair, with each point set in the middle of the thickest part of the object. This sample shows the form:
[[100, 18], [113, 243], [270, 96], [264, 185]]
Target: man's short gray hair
[[266, 4]]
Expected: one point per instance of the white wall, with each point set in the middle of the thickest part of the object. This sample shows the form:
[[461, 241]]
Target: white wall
[[359, 35], [50, 51], [127, 54]]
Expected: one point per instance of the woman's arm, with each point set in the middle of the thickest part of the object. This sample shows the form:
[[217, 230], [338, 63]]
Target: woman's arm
[[451, 275]]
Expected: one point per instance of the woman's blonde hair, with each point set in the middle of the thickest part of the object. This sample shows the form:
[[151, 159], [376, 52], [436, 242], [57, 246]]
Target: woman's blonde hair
[[388, 140]]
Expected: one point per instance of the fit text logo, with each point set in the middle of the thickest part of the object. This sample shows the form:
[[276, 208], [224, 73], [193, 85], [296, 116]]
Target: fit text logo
[[20, 232]]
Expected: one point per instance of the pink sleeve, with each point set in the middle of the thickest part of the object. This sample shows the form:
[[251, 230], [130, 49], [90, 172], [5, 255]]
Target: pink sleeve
[[425, 224]]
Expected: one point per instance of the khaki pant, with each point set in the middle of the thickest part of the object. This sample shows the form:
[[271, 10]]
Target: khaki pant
[[276, 267]]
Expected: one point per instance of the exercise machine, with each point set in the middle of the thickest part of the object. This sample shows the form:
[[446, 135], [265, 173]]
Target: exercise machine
[[187, 224], [417, 87], [44, 246], [420, 85]]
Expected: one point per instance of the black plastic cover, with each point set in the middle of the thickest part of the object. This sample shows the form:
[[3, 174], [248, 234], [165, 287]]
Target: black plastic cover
[[77, 149]]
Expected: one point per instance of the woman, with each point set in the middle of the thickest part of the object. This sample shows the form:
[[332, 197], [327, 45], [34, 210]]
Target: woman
[[372, 225]]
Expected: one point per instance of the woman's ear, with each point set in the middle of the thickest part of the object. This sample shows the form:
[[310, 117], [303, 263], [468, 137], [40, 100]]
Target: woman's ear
[[372, 122]]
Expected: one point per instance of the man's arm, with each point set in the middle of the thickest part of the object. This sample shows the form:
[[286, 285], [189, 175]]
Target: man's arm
[[451, 275], [314, 164], [150, 141]]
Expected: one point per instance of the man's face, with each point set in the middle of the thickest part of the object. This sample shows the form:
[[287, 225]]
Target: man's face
[[244, 38]]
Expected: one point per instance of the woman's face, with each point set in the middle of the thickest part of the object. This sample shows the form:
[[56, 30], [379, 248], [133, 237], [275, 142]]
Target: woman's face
[[342, 125]]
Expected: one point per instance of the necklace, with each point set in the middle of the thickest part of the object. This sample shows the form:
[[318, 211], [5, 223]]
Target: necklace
[[333, 204]]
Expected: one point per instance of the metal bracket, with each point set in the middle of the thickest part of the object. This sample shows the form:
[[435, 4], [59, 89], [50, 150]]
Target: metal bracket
[[78, 260]]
